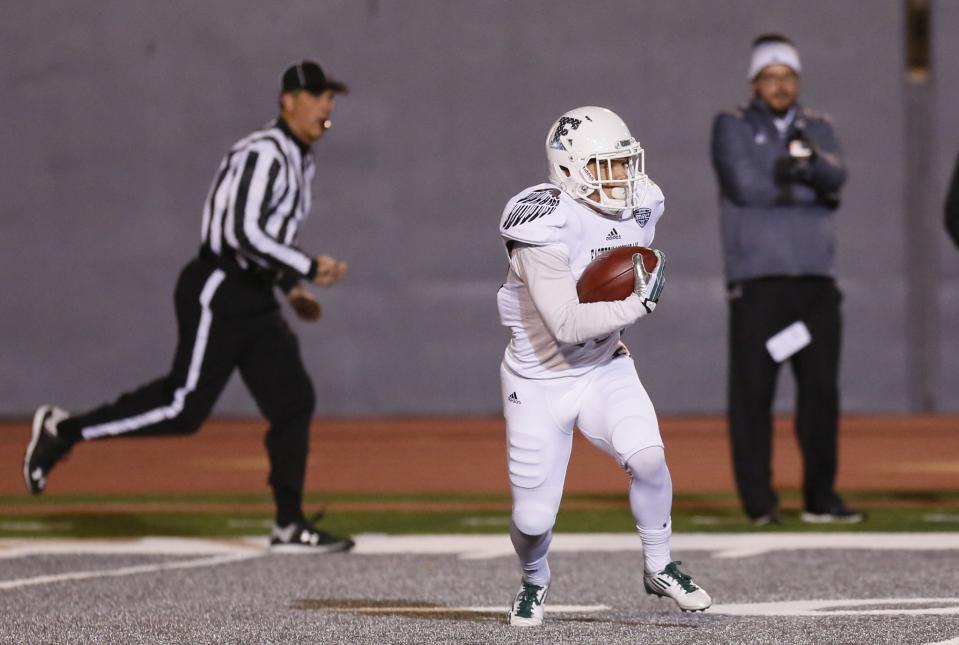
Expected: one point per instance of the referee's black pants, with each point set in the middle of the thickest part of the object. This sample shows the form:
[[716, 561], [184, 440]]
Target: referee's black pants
[[225, 320], [759, 309]]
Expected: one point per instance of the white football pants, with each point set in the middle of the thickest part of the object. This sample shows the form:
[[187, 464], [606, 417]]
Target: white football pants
[[612, 410]]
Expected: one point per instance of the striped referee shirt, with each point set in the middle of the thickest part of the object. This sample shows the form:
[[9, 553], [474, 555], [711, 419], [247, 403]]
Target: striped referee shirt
[[259, 199]]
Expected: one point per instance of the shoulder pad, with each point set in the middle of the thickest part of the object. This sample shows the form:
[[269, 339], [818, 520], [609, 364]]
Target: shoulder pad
[[534, 216], [651, 205], [653, 195]]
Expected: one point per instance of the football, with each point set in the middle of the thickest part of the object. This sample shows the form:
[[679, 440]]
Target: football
[[611, 276]]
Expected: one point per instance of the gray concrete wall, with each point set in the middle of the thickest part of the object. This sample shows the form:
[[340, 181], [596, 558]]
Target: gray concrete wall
[[115, 114]]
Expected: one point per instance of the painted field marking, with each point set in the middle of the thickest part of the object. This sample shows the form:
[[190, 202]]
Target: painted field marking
[[126, 571], [478, 547], [384, 609], [20, 547], [941, 518], [843, 607], [500, 521], [34, 525], [721, 545], [951, 641], [249, 524]]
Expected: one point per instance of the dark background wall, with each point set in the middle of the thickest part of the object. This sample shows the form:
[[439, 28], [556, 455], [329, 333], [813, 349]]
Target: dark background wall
[[116, 113]]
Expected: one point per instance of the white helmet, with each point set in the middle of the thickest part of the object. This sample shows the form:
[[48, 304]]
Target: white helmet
[[597, 135]]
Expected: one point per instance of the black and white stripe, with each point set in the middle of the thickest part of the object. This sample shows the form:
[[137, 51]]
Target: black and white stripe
[[259, 198], [197, 354]]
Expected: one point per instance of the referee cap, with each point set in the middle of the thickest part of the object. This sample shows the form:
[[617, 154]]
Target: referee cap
[[308, 75]]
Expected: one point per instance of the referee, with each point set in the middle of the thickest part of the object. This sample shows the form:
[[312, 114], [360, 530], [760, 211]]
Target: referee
[[228, 316]]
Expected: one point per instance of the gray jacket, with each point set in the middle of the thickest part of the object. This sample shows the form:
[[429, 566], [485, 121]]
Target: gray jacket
[[776, 223]]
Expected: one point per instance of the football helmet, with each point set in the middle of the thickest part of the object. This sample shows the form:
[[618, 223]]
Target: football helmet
[[595, 135]]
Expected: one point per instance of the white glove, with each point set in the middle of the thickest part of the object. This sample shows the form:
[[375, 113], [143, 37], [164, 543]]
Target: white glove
[[649, 284]]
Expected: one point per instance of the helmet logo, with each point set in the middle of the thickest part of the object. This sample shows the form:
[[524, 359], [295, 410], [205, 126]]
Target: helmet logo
[[561, 131]]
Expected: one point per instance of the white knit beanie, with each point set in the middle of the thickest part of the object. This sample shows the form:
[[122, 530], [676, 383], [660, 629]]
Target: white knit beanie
[[773, 52]]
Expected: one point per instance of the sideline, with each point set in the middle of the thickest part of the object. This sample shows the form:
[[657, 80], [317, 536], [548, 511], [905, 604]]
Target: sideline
[[126, 571], [478, 547], [843, 607]]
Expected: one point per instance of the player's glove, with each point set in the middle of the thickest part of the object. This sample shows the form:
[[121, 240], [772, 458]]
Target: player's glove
[[649, 284]]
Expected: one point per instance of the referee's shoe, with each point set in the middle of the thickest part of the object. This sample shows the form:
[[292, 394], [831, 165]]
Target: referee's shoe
[[303, 537], [45, 448]]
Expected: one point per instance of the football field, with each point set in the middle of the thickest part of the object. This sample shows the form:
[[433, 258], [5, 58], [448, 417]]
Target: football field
[[173, 550], [767, 588]]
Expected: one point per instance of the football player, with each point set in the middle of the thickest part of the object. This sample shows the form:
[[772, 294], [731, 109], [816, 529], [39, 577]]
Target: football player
[[565, 365]]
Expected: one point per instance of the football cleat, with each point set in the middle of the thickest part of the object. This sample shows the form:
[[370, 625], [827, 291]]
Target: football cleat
[[838, 514], [304, 538], [528, 607], [45, 448], [772, 518], [671, 582]]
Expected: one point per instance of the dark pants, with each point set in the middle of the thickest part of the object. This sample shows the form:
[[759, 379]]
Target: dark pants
[[225, 320], [759, 309]]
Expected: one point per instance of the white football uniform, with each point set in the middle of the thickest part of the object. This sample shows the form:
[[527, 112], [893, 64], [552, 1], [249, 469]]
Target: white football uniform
[[544, 215], [565, 365], [556, 372]]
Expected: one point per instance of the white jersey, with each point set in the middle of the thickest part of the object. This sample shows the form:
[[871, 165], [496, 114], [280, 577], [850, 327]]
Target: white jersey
[[544, 215]]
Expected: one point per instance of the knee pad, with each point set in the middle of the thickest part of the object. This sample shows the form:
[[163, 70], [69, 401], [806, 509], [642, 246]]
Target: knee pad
[[533, 519], [648, 465]]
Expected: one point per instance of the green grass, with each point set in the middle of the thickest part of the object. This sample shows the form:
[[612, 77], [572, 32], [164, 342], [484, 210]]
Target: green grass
[[52, 516]]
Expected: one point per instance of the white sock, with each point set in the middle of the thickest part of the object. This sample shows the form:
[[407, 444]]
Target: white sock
[[656, 547], [532, 551], [651, 500]]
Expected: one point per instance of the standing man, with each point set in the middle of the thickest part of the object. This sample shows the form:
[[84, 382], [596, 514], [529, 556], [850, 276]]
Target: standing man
[[228, 316], [566, 366], [780, 170]]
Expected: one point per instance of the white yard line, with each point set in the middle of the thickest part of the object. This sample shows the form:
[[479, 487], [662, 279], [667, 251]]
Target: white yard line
[[20, 547], [126, 571], [720, 545], [842, 607], [374, 609]]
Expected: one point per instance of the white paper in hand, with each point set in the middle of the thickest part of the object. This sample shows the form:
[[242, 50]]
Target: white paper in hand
[[789, 341]]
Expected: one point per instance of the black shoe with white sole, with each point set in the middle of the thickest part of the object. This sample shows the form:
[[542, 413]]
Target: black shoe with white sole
[[45, 448], [303, 537], [838, 514]]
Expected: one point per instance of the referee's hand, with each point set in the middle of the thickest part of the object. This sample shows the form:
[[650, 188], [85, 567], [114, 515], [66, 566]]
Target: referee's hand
[[305, 304], [329, 270]]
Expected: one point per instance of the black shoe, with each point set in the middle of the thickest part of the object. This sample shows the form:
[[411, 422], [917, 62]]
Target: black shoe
[[303, 537], [771, 518], [45, 448], [838, 514]]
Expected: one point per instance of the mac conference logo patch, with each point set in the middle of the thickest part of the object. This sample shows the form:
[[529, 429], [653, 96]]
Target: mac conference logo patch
[[641, 215]]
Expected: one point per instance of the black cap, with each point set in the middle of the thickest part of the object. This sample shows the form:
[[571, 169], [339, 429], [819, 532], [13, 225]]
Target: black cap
[[308, 75]]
